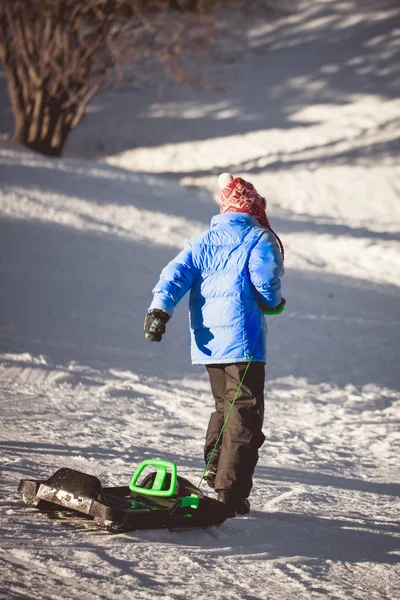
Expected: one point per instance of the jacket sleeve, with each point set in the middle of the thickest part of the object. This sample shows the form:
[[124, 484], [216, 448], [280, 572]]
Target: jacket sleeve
[[175, 280], [265, 268]]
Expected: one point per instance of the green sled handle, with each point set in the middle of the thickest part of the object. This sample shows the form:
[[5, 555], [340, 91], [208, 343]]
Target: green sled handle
[[162, 466]]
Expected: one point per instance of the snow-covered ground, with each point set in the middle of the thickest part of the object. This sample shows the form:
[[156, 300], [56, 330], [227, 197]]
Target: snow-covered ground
[[310, 114]]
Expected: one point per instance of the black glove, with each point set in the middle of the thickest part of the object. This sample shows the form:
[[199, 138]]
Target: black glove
[[276, 310], [154, 324]]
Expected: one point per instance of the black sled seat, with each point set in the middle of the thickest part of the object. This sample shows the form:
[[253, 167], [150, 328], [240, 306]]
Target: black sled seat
[[163, 499]]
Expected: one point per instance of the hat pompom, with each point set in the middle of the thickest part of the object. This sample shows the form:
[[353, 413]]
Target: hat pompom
[[224, 179]]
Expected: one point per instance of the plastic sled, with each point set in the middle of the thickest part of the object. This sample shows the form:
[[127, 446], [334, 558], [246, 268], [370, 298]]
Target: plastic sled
[[163, 499]]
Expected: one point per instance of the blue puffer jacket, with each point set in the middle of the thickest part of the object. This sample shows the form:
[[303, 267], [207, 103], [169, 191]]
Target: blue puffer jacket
[[230, 270]]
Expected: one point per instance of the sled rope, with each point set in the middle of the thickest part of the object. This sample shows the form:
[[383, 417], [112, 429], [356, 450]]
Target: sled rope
[[229, 411]]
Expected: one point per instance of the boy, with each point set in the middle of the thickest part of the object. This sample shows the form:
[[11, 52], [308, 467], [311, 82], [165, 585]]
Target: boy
[[233, 272]]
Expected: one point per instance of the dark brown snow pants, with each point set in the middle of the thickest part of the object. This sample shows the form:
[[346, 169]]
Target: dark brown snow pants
[[242, 436]]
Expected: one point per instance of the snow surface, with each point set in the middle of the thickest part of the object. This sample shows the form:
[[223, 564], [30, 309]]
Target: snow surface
[[310, 114]]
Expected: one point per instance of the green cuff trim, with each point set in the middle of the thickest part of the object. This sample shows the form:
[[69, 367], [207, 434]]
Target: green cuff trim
[[276, 311]]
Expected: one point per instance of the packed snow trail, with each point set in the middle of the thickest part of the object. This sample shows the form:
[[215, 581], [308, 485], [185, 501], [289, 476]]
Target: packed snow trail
[[82, 388], [323, 519], [81, 246]]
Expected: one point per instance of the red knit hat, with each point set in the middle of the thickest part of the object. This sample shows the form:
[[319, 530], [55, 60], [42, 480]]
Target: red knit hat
[[238, 195]]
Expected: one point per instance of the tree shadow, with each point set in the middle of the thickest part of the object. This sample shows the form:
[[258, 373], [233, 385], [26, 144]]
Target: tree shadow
[[277, 535], [77, 296], [369, 146], [103, 185], [108, 185], [287, 222], [39, 453], [367, 155], [282, 475], [328, 154], [316, 538]]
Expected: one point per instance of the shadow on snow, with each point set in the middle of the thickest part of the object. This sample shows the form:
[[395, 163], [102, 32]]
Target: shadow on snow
[[71, 295]]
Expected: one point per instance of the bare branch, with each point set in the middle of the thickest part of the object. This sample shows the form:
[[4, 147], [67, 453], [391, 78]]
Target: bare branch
[[84, 102]]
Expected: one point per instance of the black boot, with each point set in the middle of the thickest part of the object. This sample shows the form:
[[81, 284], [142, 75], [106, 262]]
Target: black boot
[[211, 472], [234, 501]]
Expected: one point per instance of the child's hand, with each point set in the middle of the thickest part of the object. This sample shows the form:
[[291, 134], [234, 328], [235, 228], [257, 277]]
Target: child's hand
[[154, 324]]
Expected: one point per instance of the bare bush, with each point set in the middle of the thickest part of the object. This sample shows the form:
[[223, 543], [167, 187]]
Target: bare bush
[[58, 54]]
